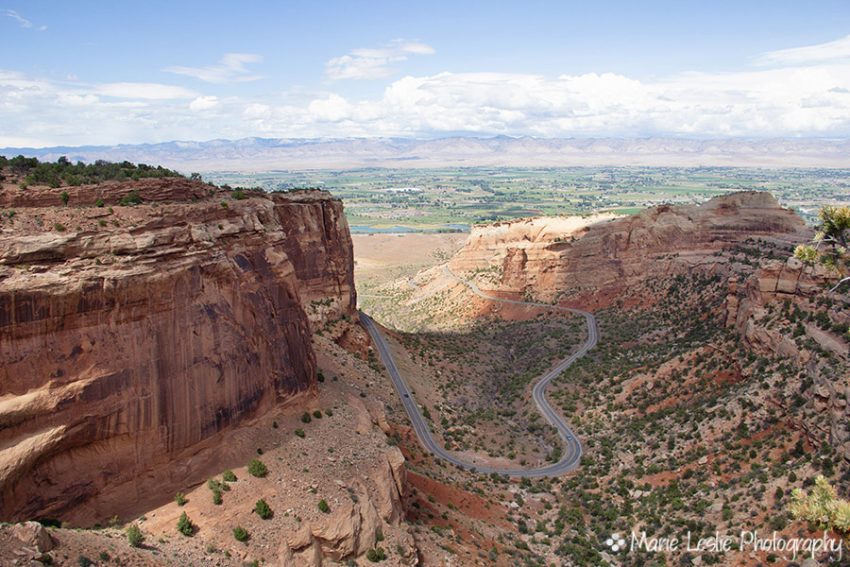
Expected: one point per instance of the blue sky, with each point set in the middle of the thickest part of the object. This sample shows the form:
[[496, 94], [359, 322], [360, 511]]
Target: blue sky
[[88, 72]]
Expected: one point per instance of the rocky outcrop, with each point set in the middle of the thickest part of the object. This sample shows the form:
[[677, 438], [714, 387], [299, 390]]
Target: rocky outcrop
[[356, 526], [821, 356], [598, 258], [134, 335]]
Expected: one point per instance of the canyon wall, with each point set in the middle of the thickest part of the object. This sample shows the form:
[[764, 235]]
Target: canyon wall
[[130, 336], [755, 309], [593, 260]]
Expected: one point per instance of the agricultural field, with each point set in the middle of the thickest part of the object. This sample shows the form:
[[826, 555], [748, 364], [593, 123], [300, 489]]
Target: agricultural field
[[451, 199]]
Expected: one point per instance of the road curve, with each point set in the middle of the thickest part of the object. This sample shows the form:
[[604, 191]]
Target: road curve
[[571, 456]]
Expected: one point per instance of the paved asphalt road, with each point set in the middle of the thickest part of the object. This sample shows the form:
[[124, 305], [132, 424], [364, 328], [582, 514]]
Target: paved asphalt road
[[571, 455]]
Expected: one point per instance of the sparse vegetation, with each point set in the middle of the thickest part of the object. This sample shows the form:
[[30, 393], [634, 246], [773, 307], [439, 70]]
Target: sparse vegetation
[[185, 525], [130, 199], [376, 554], [135, 537], [240, 534], [324, 508], [262, 509], [35, 172], [257, 468]]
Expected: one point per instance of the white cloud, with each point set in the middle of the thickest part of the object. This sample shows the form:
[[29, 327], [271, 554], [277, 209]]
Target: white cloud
[[830, 51], [144, 91], [202, 103], [781, 100], [22, 21], [230, 69], [374, 63]]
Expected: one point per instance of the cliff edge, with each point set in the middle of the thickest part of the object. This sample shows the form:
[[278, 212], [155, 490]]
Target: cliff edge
[[132, 335]]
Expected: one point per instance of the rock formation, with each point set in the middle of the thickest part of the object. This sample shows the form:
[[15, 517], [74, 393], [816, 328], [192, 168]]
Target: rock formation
[[820, 355], [594, 260], [130, 336]]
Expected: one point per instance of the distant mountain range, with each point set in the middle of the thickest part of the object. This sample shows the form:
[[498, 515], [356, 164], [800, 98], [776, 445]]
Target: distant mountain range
[[257, 154]]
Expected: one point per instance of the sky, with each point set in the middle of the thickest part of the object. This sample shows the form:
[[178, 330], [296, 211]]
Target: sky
[[101, 73]]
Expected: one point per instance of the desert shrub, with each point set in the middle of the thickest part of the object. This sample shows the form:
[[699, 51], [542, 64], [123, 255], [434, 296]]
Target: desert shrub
[[185, 525], [317, 414], [65, 197], [300, 433], [228, 476], [99, 203], [821, 506], [216, 497], [240, 534], [305, 417], [84, 561], [257, 468], [323, 506], [239, 194], [59, 227], [135, 536], [131, 198], [376, 554], [180, 498], [262, 509]]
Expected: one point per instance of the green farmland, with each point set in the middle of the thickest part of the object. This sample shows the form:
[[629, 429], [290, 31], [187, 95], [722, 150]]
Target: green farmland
[[453, 198]]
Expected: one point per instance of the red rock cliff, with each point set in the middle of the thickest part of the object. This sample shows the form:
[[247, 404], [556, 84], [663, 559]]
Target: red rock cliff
[[594, 259], [130, 337]]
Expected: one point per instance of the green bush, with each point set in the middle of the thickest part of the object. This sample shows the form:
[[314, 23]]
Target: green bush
[[305, 417], [84, 561], [257, 468], [323, 506], [216, 497], [376, 554], [228, 476], [185, 525], [239, 194], [240, 533], [317, 414], [300, 433], [65, 197], [99, 203], [180, 498], [263, 510], [135, 536], [59, 227], [131, 198]]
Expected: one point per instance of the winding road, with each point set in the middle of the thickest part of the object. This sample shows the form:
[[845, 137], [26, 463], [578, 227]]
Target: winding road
[[570, 457]]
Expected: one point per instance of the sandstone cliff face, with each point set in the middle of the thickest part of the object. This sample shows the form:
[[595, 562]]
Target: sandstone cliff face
[[821, 356], [131, 338], [595, 260]]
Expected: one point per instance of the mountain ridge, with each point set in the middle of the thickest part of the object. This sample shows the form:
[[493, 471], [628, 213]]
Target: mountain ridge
[[256, 153]]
